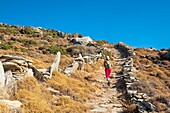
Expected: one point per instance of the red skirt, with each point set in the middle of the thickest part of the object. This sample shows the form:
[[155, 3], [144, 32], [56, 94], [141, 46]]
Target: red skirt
[[108, 72]]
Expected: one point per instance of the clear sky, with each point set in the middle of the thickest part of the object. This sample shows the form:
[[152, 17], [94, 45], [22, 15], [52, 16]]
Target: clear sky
[[139, 23]]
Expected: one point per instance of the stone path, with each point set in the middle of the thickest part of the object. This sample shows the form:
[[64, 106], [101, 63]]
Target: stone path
[[106, 99]]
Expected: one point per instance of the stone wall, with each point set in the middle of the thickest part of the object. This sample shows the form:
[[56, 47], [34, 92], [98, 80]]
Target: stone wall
[[129, 78]]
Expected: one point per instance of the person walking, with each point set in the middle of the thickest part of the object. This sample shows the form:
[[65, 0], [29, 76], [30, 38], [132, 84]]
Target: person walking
[[108, 69]]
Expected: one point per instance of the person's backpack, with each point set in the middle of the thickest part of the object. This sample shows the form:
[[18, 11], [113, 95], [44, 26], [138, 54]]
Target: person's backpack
[[107, 64]]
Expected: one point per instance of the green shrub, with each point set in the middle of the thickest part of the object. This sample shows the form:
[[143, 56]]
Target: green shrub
[[5, 46], [27, 30], [23, 50], [27, 42], [55, 49]]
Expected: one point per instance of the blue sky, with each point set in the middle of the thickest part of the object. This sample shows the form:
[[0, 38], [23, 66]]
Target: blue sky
[[139, 23]]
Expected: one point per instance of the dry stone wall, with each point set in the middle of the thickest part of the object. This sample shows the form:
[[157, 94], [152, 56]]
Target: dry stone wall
[[129, 78]]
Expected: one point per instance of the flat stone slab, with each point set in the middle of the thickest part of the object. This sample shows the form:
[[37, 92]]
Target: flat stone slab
[[117, 105], [98, 109], [106, 105]]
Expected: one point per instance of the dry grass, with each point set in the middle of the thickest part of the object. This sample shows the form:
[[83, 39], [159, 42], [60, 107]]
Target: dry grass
[[68, 86], [154, 79], [36, 99], [161, 102], [3, 94], [147, 52], [130, 109], [36, 107], [37, 63], [93, 67], [4, 108], [33, 97], [66, 105], [65, 61], [80, 75]]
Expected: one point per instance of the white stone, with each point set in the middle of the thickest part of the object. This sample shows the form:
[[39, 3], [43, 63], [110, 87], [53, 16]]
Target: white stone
[[55, 65], [30, 72], [12, 104], [9, 80], [2, 75]]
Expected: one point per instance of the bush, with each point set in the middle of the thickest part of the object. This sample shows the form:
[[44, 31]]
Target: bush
[[27, 42], [27, 30], [23, 50], [55, 49], [5, 46], [2, 36]]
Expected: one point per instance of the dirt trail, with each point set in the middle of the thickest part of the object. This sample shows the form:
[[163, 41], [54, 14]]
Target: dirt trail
[[107, 98]]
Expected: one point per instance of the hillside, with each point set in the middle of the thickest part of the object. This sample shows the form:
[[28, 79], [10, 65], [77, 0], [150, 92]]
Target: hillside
[[31, 82]]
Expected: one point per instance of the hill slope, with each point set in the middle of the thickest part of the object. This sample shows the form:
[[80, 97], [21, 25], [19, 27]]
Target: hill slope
[[83, 87]]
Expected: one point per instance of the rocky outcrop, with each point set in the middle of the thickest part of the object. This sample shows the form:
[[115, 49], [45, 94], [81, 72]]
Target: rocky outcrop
[[78, 63], [127, 50], [167, 55]]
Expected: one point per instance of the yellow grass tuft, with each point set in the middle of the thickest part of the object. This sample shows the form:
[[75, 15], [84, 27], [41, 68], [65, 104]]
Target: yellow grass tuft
[[66, 105], [37, 107], [69, 86], [4, 108]]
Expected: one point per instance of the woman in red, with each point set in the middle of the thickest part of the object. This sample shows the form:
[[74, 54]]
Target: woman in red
[[108, 69]]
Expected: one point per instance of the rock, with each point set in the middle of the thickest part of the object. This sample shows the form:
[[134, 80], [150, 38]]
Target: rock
[[56, 62], [9, 80], [132, 91], [9, 57], [167, 55], [81, 66], [68, 70], [30, 72], [2, 75], [20, 62], [53, 91], [12, 104], [37, 74], [98, 109], [75, 66], [11, 66], [80, 58]]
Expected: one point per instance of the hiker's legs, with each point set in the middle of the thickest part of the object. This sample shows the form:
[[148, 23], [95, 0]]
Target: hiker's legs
[[108, 72]]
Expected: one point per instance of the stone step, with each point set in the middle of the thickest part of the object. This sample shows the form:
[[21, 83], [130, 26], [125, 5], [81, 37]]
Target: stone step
[[98, 109]]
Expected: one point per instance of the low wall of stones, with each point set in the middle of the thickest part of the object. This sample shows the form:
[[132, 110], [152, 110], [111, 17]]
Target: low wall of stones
[[140, 99]]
